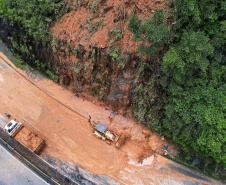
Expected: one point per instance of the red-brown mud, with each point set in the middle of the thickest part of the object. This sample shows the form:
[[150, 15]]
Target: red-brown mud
[[81, 45], [28, 138], [73, 27], [61, 118]]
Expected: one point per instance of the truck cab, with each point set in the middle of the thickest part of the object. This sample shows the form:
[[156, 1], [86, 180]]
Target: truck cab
[[11, 127]]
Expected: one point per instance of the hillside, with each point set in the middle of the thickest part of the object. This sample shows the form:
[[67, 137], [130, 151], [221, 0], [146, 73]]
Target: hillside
[[162, 62], [94, 45]]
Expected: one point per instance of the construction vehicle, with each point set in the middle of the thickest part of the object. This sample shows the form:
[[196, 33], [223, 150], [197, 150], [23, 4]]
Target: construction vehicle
[[25, 136], [101, 131], [12, 126]]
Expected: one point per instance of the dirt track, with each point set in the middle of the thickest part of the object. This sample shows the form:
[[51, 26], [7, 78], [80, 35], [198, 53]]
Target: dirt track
[[69, 136]]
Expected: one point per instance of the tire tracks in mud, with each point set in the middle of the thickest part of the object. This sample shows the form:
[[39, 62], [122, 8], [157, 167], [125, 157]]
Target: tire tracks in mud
[[18, 71], [24, 76], [7, 61]]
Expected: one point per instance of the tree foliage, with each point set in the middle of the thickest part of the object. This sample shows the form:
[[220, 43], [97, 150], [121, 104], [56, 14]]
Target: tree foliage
[[154, 36], [195, 67], [33, 15], [193, 76], [195, 111], [205, 15], [153, 32]]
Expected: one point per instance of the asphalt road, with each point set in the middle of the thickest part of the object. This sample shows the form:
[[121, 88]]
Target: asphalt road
[[13, 171]]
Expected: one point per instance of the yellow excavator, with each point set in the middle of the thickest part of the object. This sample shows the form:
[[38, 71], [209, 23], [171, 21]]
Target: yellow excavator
[[101, 131]]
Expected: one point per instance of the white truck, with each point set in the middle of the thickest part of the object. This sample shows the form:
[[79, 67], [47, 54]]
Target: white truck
[[12, 126], [25, 136]]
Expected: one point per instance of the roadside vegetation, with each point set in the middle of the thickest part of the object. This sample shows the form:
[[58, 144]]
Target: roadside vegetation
[[182, 93], [34, 16], [190, 84], [30, 38]]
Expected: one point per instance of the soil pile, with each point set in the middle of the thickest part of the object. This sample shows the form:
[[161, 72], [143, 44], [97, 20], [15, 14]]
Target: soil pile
[[28, 138]]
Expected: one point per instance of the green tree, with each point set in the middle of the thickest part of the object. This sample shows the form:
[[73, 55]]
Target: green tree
[[192, 73], [195, 70], [195, 111], [33, 15], [153, 33]]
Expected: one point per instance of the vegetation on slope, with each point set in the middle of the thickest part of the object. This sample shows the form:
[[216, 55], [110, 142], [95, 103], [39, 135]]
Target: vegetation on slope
[[183, 89], [195, 67], [192, 78], [29, 35], [33, 15], [154, 34]]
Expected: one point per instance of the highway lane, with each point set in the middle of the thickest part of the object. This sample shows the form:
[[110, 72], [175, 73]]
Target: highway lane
[[13, 171]]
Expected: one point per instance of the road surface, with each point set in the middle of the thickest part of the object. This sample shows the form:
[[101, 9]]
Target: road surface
[[13, 171]]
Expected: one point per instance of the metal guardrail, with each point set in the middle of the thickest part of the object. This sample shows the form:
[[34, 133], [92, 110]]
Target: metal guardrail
[[49, 179]]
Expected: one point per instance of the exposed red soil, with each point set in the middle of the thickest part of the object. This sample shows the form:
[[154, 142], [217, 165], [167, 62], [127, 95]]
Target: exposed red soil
[[28, 138], [81, 40], [50, 111], [73, 27]]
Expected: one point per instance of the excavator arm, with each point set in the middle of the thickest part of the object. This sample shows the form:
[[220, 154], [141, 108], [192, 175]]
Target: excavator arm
[[91, 121]]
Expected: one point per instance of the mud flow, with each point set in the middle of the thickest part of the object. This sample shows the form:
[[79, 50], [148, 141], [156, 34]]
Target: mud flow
[[61, 119]]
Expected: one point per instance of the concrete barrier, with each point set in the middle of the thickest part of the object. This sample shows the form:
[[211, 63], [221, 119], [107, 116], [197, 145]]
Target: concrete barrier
[[44, 168]]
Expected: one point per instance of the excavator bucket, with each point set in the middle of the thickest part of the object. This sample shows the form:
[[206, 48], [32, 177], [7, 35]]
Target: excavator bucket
[[117, 141], [121, 140]]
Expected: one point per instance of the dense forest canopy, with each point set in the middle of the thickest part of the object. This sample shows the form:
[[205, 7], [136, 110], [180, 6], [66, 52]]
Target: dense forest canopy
[[33, 15], [193, 77]]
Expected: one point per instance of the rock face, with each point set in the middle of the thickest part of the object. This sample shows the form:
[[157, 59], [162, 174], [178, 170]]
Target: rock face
[[92, 53]]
